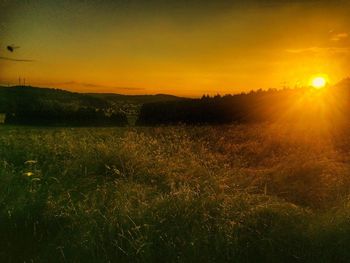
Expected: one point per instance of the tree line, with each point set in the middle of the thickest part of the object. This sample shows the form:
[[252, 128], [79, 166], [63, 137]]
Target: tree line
[[255, 106]]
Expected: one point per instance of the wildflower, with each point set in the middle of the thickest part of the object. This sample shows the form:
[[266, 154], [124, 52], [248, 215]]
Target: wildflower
[[28, 174], [30, 162]]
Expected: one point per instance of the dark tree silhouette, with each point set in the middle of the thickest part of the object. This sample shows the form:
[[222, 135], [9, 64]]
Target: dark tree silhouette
[[255, 106]]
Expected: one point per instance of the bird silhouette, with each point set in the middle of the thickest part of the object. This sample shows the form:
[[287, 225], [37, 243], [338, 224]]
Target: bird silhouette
[[11, 48]]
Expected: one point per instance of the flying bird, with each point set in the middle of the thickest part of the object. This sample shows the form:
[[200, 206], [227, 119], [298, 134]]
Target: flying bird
[[11, 48]]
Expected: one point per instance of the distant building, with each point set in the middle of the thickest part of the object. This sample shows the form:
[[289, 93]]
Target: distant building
[[2, 118]]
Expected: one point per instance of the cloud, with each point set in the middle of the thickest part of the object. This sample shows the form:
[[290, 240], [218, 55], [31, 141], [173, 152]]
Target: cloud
[[335, 50], [17, 60], [92, 85], [339, 36]]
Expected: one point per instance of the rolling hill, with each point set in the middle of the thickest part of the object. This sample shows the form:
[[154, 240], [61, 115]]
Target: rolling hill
[[49, 101]]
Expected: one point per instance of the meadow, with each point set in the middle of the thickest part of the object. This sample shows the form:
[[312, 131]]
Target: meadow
[[232, 193]]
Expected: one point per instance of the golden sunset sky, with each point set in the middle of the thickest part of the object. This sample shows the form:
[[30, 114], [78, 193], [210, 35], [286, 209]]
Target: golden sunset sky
[[186, 48]]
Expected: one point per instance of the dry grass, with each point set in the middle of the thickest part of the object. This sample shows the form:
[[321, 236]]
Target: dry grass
[[244, 193]]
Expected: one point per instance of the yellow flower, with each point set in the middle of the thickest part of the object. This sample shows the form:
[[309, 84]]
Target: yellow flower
[[30, 162], [29, 174]]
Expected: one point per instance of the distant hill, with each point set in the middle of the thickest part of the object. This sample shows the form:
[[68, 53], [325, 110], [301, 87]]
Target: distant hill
[[17, 98], [139, 99], [27, 100], [27, 97], [45, 106]]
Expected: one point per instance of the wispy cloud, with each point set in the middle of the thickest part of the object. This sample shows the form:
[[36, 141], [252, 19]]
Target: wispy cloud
[[98, 86], [335, 50], [17, 60], [339, 37]]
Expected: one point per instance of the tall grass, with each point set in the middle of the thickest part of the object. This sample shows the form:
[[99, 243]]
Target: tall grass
[[245, 193]]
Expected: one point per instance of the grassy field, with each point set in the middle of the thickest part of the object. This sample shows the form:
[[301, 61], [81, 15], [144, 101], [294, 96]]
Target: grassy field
[[244, 193]]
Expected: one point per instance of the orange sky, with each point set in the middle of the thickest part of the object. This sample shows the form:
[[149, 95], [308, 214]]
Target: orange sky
[[186, 48]]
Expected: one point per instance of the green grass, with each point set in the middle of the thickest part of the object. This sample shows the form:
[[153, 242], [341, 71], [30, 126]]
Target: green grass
[[245, 193]]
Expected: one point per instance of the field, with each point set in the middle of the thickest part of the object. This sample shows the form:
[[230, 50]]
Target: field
[[236, 193]]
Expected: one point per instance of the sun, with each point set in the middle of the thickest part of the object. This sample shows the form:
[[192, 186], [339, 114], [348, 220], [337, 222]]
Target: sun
[[318, 82]]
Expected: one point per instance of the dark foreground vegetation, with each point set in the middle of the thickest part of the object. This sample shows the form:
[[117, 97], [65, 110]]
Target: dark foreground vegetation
[[246, 193]]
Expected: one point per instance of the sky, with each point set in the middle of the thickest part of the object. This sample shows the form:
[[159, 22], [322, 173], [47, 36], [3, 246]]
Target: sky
[[184, 47]]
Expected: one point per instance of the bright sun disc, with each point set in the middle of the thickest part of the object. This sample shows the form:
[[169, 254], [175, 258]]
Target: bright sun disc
[[318, 82]]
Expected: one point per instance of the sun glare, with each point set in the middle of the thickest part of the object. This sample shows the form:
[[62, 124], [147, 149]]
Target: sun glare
[[318, 82]]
